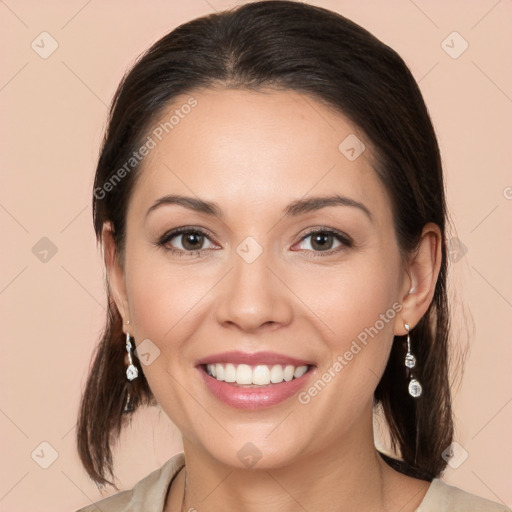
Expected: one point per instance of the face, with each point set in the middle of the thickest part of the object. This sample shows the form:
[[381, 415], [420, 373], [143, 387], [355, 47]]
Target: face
[[268, 276]]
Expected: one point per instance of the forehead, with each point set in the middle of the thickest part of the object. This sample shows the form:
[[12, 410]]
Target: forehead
[[241, 148]]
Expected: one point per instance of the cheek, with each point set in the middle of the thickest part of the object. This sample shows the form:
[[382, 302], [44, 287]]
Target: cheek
[[167, 306], [352, 298], [357, 308], [164, 306], [162, 295]]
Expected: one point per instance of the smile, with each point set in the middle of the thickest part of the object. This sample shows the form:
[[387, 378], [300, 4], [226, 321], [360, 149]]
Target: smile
[[254, 381], [255, 375]]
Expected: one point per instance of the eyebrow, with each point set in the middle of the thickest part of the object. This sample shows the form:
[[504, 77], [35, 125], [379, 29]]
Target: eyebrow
[[294, 209], [316, 203], [192, 203]]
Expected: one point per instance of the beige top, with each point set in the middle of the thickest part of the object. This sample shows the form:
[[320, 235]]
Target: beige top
[[148, 495]]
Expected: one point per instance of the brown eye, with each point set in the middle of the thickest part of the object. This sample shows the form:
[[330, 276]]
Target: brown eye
[[191, 241], [186, 241], [324, 241]]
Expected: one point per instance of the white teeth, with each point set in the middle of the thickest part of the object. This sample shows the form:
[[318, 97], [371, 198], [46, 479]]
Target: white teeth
[[288, 372], [260, 375], [219, 372], [230, 373], [300, 371], [276, 374], [243, 374]]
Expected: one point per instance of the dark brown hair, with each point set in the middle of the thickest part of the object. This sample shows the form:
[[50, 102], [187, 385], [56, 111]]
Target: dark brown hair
[[287, 46]]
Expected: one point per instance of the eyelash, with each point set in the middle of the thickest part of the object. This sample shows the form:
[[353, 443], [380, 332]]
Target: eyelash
[[338, 235]]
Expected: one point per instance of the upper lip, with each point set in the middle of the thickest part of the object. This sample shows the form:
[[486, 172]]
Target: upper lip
[[251, 359]]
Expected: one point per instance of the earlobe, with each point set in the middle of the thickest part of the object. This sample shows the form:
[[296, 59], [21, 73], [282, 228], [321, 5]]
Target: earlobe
[[423, 271], [115, 272]]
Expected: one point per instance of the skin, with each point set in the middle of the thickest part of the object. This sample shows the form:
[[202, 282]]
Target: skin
[[253, 153]]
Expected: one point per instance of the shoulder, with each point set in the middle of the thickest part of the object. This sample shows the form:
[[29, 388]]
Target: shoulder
[[442, 497], [150, 491]]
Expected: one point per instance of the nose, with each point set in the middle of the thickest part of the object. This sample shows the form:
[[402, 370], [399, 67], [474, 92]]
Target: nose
[[251, 297]]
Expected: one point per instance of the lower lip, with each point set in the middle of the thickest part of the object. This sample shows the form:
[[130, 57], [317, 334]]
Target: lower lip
[[254, 397]]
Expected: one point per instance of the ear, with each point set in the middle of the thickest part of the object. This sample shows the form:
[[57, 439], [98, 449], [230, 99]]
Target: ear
[[115, 272], [420, 280]]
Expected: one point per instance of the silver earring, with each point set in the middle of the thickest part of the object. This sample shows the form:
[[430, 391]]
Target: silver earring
[[415, 388], [131, 371]]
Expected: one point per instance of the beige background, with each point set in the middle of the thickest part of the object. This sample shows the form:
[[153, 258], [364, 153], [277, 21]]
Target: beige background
[[53, 115]]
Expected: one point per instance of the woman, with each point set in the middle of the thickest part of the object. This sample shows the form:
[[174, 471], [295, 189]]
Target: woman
[[269, 198]]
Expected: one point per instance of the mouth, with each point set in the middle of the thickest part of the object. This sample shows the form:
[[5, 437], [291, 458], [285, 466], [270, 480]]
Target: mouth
[[254, 381], [255, 375]]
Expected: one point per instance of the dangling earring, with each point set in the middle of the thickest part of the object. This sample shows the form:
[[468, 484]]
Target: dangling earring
[[415, 388], [131, 371]]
